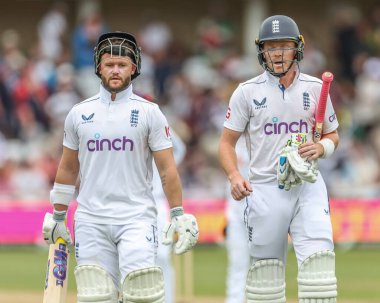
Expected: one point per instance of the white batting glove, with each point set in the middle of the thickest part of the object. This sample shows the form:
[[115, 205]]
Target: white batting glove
[[286, 176], [54, 227], [187, 228], [305, 170], [292, 180]]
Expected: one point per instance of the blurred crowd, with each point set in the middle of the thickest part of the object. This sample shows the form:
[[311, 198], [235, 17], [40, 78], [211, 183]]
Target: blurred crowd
[[192, 85]]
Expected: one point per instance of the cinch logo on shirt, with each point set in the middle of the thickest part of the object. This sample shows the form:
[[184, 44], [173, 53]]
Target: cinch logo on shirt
[[277, 128], [118, 144]]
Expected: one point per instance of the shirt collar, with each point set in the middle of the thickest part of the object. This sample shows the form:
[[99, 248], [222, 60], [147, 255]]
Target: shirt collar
[[273, 80], [123, 96]]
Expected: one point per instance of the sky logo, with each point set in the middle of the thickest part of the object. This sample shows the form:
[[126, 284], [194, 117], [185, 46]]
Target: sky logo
[[118, 144], [278, 128]]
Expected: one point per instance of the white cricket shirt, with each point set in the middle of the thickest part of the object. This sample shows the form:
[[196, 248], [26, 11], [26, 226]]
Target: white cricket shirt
[[115, 140], [268, 113]]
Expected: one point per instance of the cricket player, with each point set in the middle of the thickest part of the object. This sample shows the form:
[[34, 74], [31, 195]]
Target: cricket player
[[236, 238], [276, 112], [110, 141]]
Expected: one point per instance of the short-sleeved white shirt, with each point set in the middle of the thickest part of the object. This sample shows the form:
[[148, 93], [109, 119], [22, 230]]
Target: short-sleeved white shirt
[[268, 113], [115, 140]]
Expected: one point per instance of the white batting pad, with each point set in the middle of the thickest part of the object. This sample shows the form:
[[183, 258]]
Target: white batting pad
[[266, 282], [316, 278], [144, 286], [94, 284]]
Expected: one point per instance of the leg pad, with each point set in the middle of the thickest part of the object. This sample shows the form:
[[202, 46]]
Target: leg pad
[[94, 284], [144, 286], [266, 282], [316, 278]]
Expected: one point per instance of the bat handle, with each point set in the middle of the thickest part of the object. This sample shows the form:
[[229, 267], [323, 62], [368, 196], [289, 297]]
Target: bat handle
[[318, 132], [327, 77]]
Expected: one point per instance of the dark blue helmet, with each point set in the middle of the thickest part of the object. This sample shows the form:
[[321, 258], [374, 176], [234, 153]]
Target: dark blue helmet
[[279, 27], [118, 44]]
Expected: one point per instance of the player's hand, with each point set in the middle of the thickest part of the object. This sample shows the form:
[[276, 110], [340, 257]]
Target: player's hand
[[311, 151], [54, 227], [240, 188], [187, 229]]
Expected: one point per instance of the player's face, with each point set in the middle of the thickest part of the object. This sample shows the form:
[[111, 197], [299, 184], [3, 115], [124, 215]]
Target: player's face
[[279, 55], [116, 72]]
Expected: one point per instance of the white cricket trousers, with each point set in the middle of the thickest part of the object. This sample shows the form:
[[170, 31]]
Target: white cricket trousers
[[302, 212], [119, 249]]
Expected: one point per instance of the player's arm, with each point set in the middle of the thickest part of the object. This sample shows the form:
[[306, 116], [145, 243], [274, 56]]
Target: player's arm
[[67, 172], [54, 226], [322, 149], [240, 187], [184, 224], [170, 180]]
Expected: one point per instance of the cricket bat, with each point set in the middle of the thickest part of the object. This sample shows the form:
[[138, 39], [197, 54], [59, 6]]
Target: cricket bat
[[57, 273], [327, 77]]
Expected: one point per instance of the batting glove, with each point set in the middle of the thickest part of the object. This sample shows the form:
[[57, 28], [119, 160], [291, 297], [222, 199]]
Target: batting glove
[[186, 227], [305, 170], [54, 227], [283, 170]]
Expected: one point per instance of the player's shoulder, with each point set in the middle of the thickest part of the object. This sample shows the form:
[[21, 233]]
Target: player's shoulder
[[144, 100], [309, 80], [87, 102], [255, 81]]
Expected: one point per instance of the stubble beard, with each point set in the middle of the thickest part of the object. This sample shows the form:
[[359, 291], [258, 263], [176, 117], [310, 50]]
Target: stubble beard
[[116, 89]]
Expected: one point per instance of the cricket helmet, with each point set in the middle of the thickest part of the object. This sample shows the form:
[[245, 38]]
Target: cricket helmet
[[118, 44], [279, 27]]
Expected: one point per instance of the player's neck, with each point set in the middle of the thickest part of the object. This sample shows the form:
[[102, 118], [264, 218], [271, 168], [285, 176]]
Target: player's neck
[[288, 78], [113, 96]]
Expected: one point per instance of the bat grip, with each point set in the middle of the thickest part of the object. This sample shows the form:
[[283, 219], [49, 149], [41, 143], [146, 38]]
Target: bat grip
[[323, 100]]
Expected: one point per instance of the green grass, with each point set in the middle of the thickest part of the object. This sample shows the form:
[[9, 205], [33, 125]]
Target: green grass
[[358, 271]]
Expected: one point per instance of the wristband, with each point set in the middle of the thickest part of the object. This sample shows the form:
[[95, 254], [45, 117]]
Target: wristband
[[59, 215], [328, 146], [176, 212], [61, 194]]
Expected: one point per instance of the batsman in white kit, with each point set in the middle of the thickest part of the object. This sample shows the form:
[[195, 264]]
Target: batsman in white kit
[[110, 141], [286, 194]]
